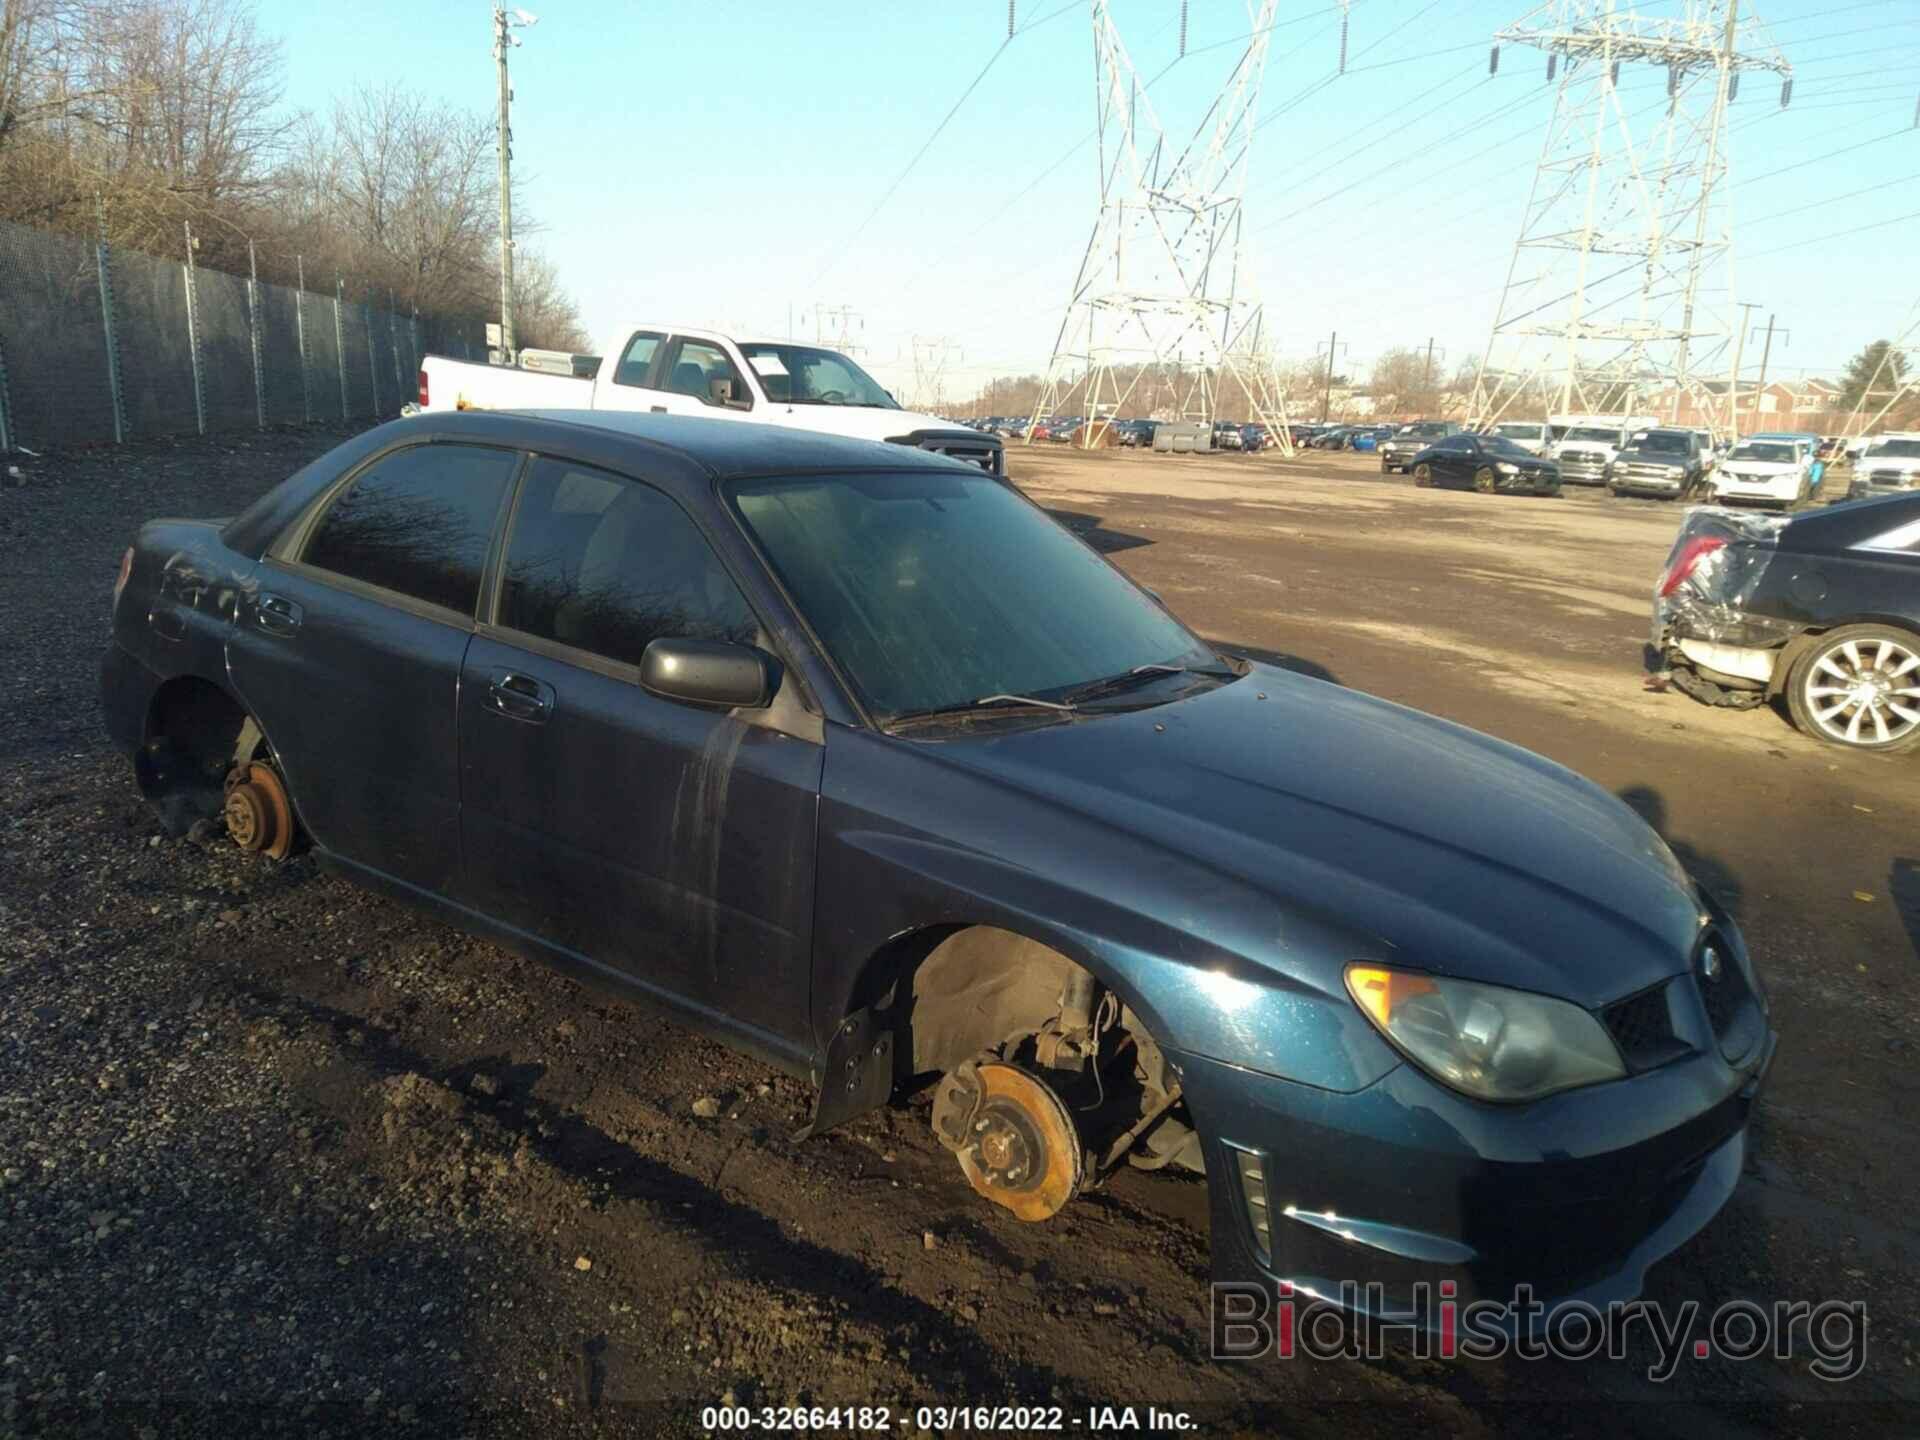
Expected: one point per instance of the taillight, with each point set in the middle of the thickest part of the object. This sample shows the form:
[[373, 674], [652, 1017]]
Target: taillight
[[423, 389], [126, 574], [1688, 560]]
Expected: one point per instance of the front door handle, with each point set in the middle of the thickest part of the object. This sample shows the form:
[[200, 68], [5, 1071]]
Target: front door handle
[[277, 615], [519, 697]]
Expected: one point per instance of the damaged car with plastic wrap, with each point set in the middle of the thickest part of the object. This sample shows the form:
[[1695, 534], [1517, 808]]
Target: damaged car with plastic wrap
[[1821, 609], [853, 757]]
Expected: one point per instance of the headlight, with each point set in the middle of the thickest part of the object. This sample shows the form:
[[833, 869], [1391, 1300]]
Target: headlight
[[1483, 1040], [1506, 469]]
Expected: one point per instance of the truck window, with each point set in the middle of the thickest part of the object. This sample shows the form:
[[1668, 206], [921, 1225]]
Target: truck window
[[698, 362], [636, 361]]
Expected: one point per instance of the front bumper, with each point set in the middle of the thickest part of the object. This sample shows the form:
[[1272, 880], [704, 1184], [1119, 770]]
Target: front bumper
[[1629, 482], [1406, 1185]]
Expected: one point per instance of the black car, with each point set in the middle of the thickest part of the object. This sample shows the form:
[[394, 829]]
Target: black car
[[1398, 449], [1491, 464], [1668, 463], [852, 756], [1822, 608]]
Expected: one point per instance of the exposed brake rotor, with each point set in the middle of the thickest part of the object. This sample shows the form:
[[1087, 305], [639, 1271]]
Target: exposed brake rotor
[[1014, 1138], [258, 814]]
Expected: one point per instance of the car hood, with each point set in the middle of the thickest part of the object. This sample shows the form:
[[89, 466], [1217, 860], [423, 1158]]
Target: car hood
[[1764, 469], [1424, 842]]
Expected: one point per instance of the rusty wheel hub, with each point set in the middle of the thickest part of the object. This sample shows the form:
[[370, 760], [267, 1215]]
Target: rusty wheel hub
[[1014, 1139], [258, 815]]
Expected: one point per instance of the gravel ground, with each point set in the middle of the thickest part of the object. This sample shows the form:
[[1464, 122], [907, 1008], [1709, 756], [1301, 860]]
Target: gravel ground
[[279, 1156]]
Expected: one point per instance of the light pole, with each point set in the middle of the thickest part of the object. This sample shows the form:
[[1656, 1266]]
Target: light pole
[[503, 40]]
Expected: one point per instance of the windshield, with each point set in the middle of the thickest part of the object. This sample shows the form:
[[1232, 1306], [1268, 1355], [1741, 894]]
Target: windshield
[[1588, 432], [1895, 450], [1771, 454], [803, 375], [1518, 432], [1664, 442], [1423, 429], [934, 591], [1501, 445]]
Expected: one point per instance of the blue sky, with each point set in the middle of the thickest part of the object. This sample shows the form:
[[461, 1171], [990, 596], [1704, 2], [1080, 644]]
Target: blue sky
[[726, 164]]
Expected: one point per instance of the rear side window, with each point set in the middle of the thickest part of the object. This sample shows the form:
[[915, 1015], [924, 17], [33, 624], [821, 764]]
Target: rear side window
[[417, 522], [636, 361], [607, 565]]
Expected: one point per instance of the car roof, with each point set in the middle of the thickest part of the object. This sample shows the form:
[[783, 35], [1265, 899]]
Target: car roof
[[730, 448]]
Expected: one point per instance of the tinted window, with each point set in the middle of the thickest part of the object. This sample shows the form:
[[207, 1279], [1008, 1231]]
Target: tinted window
[[606, 565], [1501, 445], [699, 362], [933, 591], [637, 359], [418, 522]]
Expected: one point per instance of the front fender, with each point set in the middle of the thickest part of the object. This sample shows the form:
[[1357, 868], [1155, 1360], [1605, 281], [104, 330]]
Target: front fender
[[1204, 962]]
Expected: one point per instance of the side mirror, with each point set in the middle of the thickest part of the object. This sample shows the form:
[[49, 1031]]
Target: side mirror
[[707, 672], [720, 390]]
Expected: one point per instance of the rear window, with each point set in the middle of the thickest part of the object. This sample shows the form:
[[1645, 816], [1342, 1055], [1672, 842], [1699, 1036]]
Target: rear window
[[417, 522]]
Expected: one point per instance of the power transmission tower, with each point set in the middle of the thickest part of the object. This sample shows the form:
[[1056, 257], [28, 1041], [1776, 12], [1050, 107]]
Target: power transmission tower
[[834, 326], [1621, 285], [504, 40], [1163, 285], [930, 358]]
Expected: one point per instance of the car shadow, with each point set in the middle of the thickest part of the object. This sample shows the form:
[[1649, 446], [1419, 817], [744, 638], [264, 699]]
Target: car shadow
[[1089, 529], [1903, 883], [1716, 877], [1280, 659]]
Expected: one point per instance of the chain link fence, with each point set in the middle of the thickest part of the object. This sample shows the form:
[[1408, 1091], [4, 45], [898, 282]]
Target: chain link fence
[[105, 345]]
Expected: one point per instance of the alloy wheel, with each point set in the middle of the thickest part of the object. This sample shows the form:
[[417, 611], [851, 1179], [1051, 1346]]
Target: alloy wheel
[[1483, 480], [1864, 690]]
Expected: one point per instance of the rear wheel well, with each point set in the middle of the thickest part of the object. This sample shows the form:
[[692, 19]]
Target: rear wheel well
[[194, 731]]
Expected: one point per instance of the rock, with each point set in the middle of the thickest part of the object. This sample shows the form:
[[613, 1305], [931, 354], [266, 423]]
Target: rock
[[678, 1317], [929, 1240], [583, 1264], [484, 1085], [230, 917], [1105, 1307], [706, 1107]]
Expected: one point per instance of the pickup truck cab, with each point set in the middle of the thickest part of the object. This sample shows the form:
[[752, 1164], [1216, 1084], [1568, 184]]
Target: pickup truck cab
[[669, 370]]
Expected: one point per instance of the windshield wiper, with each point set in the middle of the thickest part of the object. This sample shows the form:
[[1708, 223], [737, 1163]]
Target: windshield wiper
[[994, 702], [1140, 674]]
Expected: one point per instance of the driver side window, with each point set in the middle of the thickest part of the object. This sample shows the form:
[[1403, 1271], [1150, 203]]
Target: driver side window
[[696, 364]]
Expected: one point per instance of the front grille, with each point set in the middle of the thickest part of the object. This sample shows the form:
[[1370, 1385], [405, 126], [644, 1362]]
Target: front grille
[[1897, 478], [1647, 474], [1642, 1028], [1583, 465]]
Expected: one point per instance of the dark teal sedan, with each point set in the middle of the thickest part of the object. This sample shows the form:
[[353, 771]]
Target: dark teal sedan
[[850, 755]]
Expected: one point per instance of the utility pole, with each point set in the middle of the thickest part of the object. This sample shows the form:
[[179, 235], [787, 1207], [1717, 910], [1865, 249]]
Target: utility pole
[[1326, 394], [1733, 384], [1766, 350], [503, 40]]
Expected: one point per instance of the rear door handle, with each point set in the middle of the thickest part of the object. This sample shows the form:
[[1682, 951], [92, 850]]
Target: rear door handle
[[277, 615], [519, 697]]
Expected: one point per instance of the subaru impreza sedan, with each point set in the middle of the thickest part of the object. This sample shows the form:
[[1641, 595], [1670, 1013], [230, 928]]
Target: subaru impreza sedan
[[853, 757]]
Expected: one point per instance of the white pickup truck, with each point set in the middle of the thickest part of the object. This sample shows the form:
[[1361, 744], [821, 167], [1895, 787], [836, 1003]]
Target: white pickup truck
[[673, 371]]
